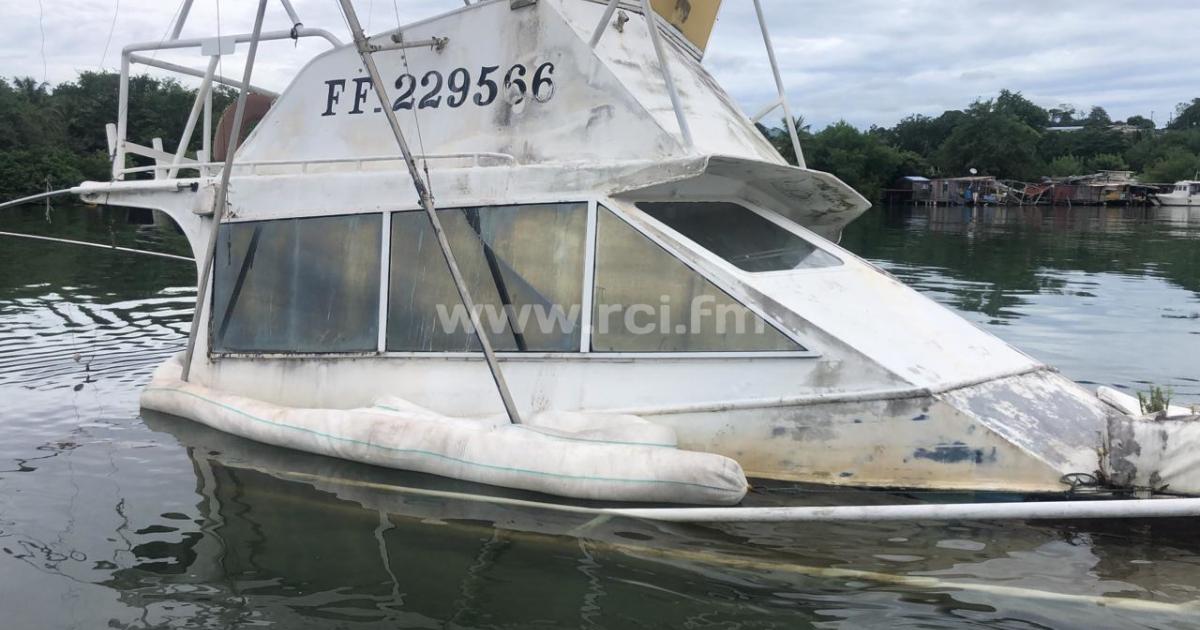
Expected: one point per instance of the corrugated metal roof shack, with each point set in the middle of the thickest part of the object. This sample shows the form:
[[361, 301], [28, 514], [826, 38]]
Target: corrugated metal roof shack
[[908, 189], [957, 191]]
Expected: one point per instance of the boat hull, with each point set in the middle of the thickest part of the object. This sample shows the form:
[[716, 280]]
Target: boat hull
[[1180, 200], [1020, 432]]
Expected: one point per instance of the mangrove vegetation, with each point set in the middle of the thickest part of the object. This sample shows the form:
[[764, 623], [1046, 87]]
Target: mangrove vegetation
[[54, 136], [1008, 137]]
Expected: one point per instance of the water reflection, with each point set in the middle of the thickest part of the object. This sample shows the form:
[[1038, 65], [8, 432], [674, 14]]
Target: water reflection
[[303, 541], [1009, 247], [1109, 295]]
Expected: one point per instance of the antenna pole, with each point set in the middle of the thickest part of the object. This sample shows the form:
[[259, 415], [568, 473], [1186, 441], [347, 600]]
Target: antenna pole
[[656, 40], [183, 16], [222, 193], [365, 50], [783, 100]]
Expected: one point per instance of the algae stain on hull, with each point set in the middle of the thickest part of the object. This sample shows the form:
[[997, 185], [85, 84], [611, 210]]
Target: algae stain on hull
[[956, 453]]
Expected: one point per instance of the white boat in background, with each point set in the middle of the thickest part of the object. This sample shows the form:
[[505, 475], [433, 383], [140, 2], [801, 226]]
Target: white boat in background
[[1185, 193], [639, 249]]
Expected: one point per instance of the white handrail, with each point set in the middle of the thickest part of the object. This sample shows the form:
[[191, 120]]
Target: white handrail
[[190, 127], [199, 74], [238, 38], [129, 56], [478, 159]]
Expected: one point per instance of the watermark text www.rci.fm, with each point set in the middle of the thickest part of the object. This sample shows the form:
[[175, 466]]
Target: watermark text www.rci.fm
[[702, 315]]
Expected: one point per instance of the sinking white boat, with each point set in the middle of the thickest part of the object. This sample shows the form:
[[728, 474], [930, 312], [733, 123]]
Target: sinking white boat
[[634, 246], [1185, 193]]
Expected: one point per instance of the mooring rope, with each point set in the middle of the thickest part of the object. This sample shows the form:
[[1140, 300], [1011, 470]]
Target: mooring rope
[[37, 197], [67, 241], [127, 250], [758, 565], [1036, 510]]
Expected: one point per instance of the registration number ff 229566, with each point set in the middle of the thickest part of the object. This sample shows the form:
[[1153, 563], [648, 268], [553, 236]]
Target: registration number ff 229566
[[453, 90]]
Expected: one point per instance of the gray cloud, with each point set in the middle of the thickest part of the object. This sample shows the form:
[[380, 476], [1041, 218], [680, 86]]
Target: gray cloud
[[865, 61]]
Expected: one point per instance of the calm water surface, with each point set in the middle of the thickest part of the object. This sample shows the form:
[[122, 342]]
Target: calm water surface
[[114, 518]]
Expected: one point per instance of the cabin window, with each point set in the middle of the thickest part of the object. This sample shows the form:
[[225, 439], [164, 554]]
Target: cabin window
[[522, 264], [741, 236], [297, 285], [646, 300]]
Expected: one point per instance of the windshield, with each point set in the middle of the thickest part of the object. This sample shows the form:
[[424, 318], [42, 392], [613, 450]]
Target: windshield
[[739, 235]]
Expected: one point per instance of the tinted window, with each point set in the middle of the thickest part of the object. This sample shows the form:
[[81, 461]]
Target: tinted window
[[522, 264], [739, 235], [646, 300], [297, 285]]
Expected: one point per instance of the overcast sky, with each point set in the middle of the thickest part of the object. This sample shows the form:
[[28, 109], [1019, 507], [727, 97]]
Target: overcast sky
[[865, 61]]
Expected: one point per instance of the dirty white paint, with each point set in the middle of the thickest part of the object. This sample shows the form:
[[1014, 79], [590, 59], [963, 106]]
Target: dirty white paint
[[894, 390], [1156, 454]]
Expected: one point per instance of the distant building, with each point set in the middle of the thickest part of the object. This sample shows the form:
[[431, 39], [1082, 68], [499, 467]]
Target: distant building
[[966, 191], [1118, 127], [1101, 188], [908, 189]]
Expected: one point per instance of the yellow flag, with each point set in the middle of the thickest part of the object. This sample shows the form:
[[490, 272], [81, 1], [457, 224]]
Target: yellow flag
[[693, 18]]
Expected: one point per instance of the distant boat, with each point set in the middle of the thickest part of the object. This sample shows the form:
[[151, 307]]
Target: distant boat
[[1185, 193]]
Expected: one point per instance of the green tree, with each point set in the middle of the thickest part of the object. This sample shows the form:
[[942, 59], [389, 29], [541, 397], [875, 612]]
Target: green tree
[[1107, 162], [781, 139], [860, 159], [58, 133], [1178, 163], [1063, 116], [1021, 108], [1064, 166], [1098, 117], [993, 142], [1187, 116], [923, 134], [1141, 122]]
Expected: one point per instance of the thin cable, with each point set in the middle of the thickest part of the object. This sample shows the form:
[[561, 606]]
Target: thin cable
[[126, 250], [416, 106], [42, 28], [111, 28], [220, 58], [167, 31]]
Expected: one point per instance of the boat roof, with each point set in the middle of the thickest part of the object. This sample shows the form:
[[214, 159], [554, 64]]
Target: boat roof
[[546, 96], [581, 103]]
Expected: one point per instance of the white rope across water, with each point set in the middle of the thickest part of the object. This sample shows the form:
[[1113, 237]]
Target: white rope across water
[[37, 197], [67, 241], [126, 250], [1028, 511]]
